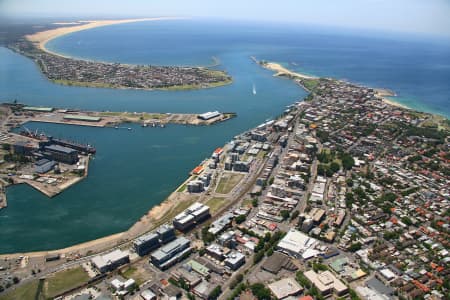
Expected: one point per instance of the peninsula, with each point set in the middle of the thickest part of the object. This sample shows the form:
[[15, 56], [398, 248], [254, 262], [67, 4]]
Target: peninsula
[[69, 71]]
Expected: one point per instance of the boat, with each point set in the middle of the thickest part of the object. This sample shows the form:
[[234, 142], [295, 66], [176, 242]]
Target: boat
[[85, 148], [162, 125], [254, 90]]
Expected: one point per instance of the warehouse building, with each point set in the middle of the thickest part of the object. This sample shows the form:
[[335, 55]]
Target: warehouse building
[[209, 115], [44, 165], [81, 118], [61, 154], [23, 148], [171, 253], [110, 261]]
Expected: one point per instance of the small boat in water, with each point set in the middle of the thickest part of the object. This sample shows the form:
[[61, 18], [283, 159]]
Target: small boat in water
[[254, 90]]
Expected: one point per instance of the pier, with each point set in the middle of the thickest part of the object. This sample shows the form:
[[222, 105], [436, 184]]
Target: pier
[[20, 114]]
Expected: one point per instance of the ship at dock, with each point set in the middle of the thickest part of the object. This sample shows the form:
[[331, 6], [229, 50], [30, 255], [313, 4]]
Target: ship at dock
[[83, 148]]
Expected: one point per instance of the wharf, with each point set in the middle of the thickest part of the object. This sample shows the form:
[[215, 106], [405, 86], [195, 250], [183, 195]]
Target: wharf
[[3, 202], [58, 186], [20, 115]]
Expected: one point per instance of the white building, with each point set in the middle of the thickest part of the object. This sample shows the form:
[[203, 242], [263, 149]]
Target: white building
[[298, 244]]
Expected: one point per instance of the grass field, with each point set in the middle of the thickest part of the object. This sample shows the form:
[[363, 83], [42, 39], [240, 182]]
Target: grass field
[[138, 273], [227, 182], [215, 204], [64, 281], [26, 291]]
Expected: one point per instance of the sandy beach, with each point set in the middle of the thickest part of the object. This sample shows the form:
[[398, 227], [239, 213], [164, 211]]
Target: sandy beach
[[282, 71], [40, 39], [393, 103], [384, 93]]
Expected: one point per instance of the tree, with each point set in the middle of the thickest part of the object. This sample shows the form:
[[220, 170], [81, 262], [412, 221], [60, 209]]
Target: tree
[[407, 220], [347, 161], [258, 256], [16, 280], [260, 291], [349, 182], [240, 219], [255, 202], [334, 167], [295, 215], [215, 293], [190, 296], [236, 280], [284, 214], [355, 247], [349, 199]]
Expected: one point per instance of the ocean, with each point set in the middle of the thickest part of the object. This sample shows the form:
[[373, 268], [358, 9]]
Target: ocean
[[135, 170]]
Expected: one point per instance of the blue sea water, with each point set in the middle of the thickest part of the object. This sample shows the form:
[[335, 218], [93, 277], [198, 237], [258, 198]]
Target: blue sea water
[[135, 170]]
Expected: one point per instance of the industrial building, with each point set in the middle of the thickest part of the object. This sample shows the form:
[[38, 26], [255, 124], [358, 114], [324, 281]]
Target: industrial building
[[23, 148], [38, 109], [44, 165], [61, 154], [193, 215], [81, 118], [110, 261], [171, 253]]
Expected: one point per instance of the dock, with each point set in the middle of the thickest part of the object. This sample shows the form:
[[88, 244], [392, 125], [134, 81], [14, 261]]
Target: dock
[[22, 114]]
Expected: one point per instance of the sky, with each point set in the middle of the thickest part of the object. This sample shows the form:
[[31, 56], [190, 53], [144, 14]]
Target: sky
[[413, 16]]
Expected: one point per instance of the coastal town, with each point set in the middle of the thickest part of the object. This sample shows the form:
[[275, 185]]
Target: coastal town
[[77, 72], [343, 196]]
